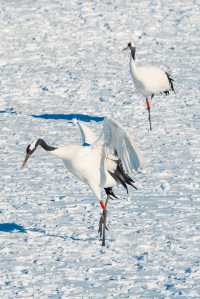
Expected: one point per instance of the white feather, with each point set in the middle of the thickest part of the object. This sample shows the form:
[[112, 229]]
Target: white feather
[[95, 164], [87, 135], [149, 79], [117, 141]]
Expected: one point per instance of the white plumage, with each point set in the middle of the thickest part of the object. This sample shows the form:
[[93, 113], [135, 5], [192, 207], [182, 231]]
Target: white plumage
[[87, 135], [95, 164], [149, 80], [106, 162], [117, 140]]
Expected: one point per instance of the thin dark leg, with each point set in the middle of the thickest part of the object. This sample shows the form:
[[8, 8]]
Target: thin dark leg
[[149, 111], [103, 224]]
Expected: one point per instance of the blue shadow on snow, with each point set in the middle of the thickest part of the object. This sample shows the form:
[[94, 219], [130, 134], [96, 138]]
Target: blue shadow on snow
[[12, 227], [9, 111], [16, 228], [81, 117]]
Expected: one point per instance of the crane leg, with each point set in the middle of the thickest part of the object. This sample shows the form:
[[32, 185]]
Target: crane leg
[[103, 223], [149, 111]]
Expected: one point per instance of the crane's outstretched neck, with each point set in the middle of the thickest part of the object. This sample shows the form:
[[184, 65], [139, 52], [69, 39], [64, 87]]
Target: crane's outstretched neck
[[132, 66], [32, 147], [44, 145], [133, 50], [132, 61]]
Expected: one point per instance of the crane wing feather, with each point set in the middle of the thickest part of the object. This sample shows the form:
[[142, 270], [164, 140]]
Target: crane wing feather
[[87, 135], [117, 141]]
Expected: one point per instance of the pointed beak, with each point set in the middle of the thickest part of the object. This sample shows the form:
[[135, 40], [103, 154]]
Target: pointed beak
[[125, 49], [25, 160]]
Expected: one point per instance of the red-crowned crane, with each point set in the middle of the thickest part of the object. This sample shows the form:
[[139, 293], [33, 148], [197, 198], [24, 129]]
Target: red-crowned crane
[[105, 163], [149, 80]]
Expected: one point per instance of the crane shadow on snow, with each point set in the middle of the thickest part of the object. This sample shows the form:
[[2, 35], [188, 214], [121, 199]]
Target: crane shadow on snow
[[69, 117], [8, 111], [12, 228], [16, 228], [66, 237]]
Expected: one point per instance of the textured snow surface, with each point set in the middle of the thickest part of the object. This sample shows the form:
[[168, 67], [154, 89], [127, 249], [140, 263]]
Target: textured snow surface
[[65, 57]]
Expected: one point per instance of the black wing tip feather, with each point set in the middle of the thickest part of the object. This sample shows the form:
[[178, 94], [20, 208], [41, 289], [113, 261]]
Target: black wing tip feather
[[171, 80], [110, 193], [121, 177]]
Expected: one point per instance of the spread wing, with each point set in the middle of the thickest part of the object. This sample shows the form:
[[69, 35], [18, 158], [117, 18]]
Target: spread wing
[[87, 135], [118, 142]]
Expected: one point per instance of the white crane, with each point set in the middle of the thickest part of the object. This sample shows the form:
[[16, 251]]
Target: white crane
[[149, 80], [104, 164]]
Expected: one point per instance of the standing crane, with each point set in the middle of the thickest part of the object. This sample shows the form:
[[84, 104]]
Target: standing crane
[[149, 80]]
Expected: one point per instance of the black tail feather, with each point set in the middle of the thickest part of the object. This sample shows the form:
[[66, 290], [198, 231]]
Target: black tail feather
[[128, 180], [170, 82], [110, 192], [121, 177], [131, 184]]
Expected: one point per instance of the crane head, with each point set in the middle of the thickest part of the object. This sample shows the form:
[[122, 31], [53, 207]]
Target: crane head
[[129, 46], [29, 151]]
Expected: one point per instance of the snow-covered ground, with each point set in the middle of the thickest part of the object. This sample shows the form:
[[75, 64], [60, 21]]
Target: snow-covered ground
[[66, 57]]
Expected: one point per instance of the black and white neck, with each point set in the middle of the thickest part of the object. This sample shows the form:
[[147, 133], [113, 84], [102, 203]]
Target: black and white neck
[[44, 145], [133, 50]]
